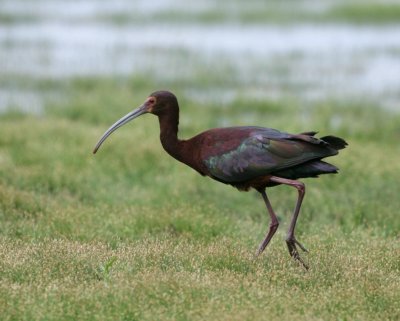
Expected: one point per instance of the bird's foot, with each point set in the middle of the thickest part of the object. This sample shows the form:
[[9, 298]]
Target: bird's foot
[[291, 244]]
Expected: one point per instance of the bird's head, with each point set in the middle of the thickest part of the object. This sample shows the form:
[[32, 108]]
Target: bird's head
[[161, 102], [158, 103]]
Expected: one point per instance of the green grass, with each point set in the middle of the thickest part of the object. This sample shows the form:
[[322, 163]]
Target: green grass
[[183, 279], [131, 234]]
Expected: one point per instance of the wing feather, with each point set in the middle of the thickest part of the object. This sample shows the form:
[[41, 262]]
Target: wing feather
[[263, 152]]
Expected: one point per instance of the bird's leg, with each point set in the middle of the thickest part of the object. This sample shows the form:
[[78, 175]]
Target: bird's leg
[[273, 225], [290, 238]]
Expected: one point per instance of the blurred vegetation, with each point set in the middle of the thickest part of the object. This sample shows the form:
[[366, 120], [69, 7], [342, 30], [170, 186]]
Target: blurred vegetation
[[364, 12], [274, 12], [255, 11]]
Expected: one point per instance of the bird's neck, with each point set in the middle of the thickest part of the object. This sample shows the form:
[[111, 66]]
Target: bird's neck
[[169, 134], [182, 150]]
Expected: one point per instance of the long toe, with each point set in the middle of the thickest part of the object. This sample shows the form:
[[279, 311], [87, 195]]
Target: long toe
[[291, 244], [300, 245]]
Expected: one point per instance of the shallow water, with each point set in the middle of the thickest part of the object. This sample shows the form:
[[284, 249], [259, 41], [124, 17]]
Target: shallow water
[[310, 61]]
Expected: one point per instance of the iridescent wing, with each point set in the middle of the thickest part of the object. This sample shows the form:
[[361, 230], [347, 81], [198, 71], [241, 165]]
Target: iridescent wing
[[265, 151]]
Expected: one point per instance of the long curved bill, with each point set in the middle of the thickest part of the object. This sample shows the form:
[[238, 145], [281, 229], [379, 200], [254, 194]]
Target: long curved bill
[[127, 118]]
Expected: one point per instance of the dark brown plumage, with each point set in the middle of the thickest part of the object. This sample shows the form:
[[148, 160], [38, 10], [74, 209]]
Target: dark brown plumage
[[244, 157]]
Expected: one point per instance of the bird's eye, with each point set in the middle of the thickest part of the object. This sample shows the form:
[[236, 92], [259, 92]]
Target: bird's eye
[[152, 100]]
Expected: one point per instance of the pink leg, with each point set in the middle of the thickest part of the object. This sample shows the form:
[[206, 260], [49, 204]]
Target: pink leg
[[273, 225], [290, 238]]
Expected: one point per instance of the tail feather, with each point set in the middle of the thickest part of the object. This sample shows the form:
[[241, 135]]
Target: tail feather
[[323, 167], [335, 142]]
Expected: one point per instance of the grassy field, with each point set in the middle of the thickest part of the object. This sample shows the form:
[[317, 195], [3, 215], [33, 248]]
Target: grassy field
[[130, 234]]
